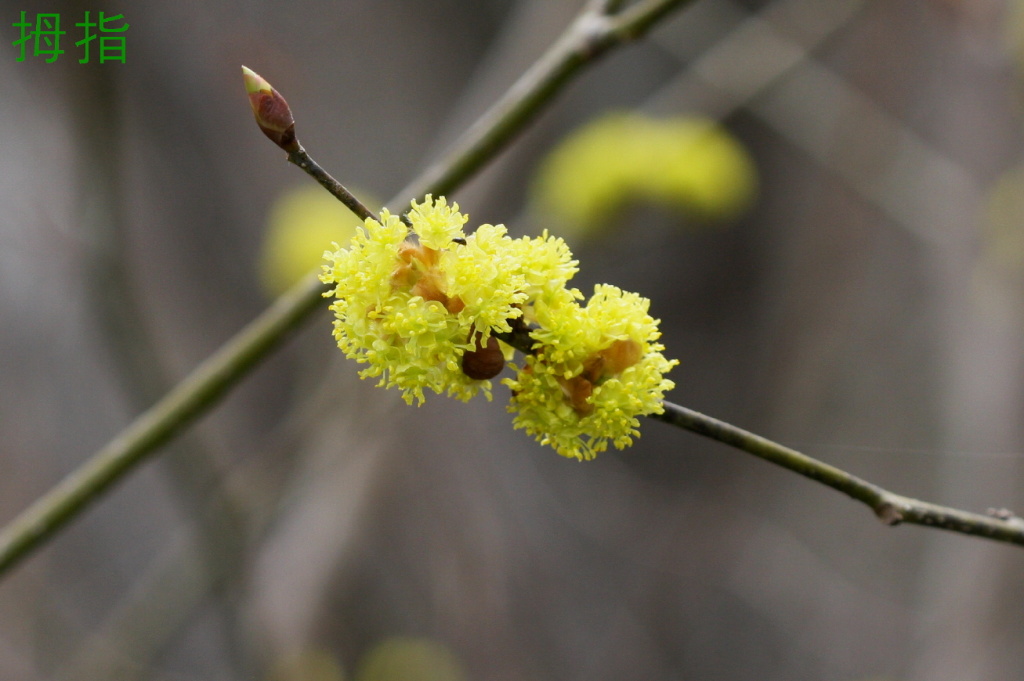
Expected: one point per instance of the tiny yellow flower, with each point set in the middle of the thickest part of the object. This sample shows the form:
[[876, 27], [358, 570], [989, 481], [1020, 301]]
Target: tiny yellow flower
[[436, 223]]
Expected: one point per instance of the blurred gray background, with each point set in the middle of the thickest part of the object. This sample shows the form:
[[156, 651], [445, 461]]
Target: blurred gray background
[[866, 310]]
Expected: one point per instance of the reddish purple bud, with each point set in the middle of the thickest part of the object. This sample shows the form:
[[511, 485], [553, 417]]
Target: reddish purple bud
[[271, 111]]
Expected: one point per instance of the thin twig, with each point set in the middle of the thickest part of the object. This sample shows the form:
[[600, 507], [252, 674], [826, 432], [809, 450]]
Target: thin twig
[[304, 161], [589, 37], [891, 508]]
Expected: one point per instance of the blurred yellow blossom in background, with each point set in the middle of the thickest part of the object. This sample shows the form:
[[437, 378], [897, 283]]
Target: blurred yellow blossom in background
[[301, 223], [692, 164], [406, 658]]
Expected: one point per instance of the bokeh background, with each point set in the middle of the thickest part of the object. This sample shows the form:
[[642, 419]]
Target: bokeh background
[[864, 306]]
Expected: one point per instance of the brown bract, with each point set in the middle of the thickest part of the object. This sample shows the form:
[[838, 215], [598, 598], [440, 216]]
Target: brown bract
[[417, 272], [611, 361]]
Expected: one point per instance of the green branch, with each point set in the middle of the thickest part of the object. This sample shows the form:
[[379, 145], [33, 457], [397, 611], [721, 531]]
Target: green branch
[[590, 36], [191, 398]]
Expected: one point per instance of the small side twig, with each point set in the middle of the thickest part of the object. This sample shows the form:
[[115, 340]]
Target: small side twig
[[891, 508], [304, 161]]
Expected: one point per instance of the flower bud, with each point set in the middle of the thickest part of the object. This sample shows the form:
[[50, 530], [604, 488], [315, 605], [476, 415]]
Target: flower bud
[[485, 361], [271, 111]]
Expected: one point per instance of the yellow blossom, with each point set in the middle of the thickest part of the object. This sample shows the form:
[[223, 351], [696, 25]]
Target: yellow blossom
[[411, 302], [688, 163], [596, 369], [420, 306]]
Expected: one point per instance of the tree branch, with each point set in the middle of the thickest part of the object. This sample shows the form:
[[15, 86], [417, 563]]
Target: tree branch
[[891, 508], [593, 33]]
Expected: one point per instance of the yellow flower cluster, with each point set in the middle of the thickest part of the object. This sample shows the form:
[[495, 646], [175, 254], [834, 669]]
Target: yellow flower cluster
[[419, 304], [596, 368]]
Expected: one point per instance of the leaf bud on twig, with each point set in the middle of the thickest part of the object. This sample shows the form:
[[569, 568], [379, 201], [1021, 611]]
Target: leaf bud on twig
[[272, 112]]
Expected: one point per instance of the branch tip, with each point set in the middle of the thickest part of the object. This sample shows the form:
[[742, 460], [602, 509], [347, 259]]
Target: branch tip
[[272, 112]]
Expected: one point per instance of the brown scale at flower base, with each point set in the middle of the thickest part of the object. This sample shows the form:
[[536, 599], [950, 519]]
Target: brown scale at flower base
[[619, 356], [419, 274], [611, 361]]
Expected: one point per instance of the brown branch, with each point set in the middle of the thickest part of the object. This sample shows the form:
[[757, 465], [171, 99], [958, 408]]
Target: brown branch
[[891, 508], [304, 161]]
